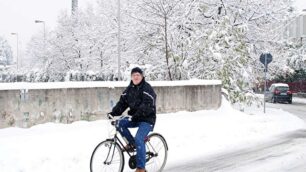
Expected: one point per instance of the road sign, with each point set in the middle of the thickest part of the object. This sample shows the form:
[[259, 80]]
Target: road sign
[[264, 57]]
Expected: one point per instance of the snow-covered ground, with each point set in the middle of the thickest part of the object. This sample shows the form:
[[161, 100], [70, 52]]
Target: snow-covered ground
[[67, 147], [299, 100]]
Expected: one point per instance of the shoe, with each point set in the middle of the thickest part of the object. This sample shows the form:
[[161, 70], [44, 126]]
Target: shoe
[[129, 148], [140, 170]]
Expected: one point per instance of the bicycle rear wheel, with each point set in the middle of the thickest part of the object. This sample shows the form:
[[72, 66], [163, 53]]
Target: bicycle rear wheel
[[157, 152], [107, 156]]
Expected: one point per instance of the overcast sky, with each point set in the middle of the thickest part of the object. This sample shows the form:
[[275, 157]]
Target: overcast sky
[[301, 4], [19, 16]]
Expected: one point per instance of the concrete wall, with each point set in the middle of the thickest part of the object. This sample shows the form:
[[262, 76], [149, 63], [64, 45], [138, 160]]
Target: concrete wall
[[27, 107]]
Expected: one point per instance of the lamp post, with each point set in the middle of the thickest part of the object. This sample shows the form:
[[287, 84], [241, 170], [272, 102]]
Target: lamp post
[[43, 22], [17, 55]]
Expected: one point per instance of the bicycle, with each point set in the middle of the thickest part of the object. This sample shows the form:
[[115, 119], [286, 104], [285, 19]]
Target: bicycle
[[108, 155]]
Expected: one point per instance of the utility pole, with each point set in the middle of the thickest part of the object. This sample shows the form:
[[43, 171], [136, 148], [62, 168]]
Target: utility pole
[[44, 24], [74, 6]]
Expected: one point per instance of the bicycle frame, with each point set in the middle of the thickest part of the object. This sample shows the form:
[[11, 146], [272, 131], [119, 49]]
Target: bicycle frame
[[117, 140]]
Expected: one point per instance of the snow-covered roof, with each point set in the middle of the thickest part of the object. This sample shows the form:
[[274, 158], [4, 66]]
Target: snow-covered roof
[[96, 84], [280, 85]]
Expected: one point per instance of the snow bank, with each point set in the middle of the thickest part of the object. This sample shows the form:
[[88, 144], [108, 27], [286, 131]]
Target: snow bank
[[299, 100], [67, 147]]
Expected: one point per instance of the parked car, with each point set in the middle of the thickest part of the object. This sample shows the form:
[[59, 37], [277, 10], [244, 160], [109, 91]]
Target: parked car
[[279, 92]]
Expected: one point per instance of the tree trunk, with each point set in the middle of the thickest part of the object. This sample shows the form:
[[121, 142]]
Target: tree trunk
[[101, 59], [167, 53]]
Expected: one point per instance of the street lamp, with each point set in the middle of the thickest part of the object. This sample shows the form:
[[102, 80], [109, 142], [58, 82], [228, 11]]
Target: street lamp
[[43, 22], [17, 59]]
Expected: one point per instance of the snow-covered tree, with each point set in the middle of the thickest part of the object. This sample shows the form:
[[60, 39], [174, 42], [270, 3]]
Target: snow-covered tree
[[6, 55], [179, 39], [210, 39]]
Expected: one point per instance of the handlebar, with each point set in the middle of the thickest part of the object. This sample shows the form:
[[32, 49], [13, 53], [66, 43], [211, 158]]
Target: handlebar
[[114, 120]]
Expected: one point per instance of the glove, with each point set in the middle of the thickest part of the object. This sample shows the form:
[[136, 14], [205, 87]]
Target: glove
[[110, 115], [131, 112]]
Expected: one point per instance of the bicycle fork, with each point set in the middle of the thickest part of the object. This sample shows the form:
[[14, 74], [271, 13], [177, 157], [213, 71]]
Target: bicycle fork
[[110, 151]]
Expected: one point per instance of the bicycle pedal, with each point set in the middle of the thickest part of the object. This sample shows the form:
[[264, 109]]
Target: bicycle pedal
[[130, 151], [129, 148]]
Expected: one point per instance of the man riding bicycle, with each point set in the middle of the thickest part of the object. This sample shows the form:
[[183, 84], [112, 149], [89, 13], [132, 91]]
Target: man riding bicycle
[[140, 97]]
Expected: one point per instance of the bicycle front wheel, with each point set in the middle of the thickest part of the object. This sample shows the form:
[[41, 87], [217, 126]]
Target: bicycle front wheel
[[157, 152], [107, 156]]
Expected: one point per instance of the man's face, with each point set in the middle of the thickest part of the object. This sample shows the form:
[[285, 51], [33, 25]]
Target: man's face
[[136, 78]]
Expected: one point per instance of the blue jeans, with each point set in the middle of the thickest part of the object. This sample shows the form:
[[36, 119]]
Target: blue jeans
[[143, 130]]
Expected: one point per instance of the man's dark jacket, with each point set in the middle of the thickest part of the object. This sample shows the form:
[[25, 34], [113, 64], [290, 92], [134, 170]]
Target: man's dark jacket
[[141, 99]]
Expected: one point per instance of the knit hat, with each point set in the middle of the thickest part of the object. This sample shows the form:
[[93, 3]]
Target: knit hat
[[136, 69]]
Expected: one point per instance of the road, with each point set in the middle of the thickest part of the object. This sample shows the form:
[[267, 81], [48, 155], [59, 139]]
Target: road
[[298, 109], [285, 153]]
